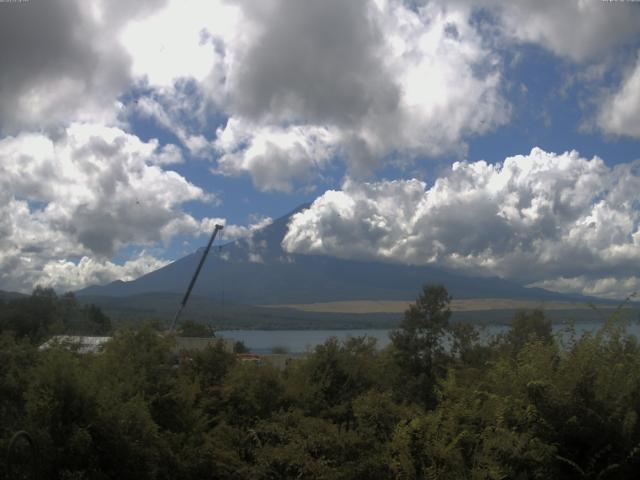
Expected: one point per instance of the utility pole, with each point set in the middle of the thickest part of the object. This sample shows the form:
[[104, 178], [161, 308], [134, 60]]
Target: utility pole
[[195, 276]]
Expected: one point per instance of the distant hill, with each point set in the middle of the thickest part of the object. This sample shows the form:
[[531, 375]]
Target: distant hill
[[230, 316], [10, 295], [256, 271]]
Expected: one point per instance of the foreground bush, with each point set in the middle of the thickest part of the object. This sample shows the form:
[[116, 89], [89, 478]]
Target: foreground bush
[[522, 406]]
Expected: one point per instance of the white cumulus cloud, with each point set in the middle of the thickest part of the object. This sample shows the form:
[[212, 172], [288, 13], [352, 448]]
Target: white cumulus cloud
[[532, 217], [65, 275], [606, 287], [620, 112], [87, 192], [275, 157], [301, 84], [578, 29], [360, 79], [62, 61]]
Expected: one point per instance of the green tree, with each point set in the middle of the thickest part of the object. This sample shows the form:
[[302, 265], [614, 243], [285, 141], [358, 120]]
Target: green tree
[[34, 317], [328, 382], [252, 392], [240, 347], [189, 328], [528, 327], [99, 323], [418, 343], [17, 360], [466, 346]]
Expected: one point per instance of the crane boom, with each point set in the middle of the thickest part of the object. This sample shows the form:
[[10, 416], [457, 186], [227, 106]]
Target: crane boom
[[195, 276]]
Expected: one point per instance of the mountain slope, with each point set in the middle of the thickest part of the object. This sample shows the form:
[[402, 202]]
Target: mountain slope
[[6, 296], [256, 271]]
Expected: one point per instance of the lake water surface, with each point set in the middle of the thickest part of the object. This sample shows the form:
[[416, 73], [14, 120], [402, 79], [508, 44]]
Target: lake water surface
[[300, 341]]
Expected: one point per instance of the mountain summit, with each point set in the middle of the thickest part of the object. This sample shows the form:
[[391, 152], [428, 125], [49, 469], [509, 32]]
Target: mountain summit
[[257, 271]]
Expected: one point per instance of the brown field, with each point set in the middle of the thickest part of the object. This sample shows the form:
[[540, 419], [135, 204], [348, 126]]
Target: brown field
[[399, 306]]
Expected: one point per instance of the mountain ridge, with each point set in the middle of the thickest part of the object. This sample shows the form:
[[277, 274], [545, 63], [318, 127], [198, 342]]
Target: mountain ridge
[[6, 295], [257, 271]]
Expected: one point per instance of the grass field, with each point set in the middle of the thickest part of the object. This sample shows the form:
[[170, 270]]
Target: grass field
[[463, 305], [357, 314]]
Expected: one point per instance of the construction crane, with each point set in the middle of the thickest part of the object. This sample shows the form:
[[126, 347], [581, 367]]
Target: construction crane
[[195, 276]]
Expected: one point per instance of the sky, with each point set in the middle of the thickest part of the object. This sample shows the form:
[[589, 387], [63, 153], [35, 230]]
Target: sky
[[490, 138]]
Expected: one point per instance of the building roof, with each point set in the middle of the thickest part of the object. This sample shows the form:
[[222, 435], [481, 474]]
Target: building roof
[[78, 343], [200, 343], [90, 344]]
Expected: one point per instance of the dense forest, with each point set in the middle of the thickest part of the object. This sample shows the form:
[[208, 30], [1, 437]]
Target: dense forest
[[44, 313], [436, 403]]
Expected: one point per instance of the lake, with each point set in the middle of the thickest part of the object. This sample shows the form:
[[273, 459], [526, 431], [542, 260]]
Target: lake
[[300, 341]]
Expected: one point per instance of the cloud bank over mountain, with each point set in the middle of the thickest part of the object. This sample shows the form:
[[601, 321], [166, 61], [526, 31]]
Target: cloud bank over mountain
[[554, 220], [112, 113]]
